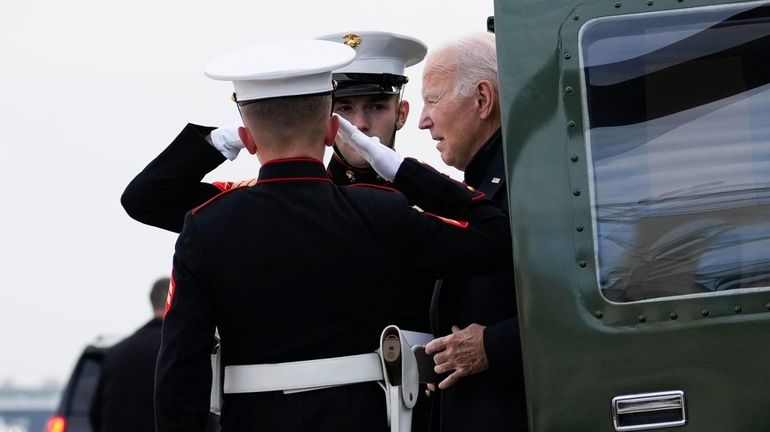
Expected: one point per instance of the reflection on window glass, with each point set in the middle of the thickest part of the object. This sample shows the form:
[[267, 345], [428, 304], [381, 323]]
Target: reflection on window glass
[[678, 111], [85, 386]]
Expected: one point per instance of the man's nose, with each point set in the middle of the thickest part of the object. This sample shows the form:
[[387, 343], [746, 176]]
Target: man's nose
[[425, 121], [360, 120]]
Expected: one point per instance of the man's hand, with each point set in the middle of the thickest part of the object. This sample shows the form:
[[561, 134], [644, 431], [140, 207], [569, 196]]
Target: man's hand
[[383, 159], [461, 352], [227, 141]]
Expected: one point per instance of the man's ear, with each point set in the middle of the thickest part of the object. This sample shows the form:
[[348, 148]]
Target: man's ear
[[486, 99], [332, 126], [247, 140], [403, 113]]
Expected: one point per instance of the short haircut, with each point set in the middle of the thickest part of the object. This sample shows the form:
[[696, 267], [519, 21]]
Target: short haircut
[[159, 292], [475, 60], [288, 114]]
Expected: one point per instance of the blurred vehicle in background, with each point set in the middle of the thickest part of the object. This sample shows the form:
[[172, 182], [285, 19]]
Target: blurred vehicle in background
[[71, 415], [73, 410]]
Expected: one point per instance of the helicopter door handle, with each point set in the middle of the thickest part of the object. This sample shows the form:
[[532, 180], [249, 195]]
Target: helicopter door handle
[[649, 411]]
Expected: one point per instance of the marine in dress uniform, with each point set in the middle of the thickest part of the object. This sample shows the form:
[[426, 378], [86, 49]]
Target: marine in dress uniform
[[270, 266], [375, 78], [171, 185]]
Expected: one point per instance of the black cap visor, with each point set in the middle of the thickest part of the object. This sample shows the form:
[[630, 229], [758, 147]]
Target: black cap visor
[[364, 84]]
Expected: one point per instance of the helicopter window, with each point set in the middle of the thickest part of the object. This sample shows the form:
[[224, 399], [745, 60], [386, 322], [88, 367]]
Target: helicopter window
[[677, 124]]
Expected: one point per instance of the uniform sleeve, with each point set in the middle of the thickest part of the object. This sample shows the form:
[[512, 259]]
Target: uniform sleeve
[[183, 370], [454, 232], [170, 185], [434, 192], [503, 348]]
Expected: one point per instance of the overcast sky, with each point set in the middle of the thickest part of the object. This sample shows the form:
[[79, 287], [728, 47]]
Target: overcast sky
[[90, 92]]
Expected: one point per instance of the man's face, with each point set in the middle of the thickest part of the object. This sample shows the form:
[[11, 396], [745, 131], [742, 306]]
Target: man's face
[[375, 115], [450, 118]]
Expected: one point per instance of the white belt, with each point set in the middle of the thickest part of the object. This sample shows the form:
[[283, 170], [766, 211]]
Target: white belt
[[303, 375]]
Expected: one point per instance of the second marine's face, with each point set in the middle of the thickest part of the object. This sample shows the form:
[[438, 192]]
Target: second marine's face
[[374, 115]]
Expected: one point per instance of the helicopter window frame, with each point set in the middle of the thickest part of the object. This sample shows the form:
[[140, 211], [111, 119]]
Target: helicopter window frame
[[685, 253]]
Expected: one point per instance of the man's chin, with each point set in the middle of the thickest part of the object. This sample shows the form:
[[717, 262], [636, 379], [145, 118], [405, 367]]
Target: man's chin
[[446, 158], [360, 164]]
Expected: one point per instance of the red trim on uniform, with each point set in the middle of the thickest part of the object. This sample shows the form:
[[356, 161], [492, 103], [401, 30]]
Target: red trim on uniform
[[197, 209], [170, 295], [272, 180], [479, 195], [374, 186], [457, 223], [295, 159], [223, 186], [226, 186]]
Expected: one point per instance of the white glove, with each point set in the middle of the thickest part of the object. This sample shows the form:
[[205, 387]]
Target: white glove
[[227, 141], [382, 158]]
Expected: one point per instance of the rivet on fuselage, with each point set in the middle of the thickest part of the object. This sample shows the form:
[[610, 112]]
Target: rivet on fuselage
[[673, 315], [704, 313], [579, 228], [617, 4], [582, 263], [575, 17], [567, 56], [641, 318], [568, 89], [738, 309], [571, 123], [576, 192], [598, 314], [574, 158]]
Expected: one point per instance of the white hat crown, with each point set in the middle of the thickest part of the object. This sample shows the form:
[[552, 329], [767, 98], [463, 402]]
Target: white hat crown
[[280, 69], [379, 52]]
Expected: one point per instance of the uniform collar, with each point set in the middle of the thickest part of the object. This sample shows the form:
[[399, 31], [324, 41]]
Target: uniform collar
[[292, 169], [342, 173]]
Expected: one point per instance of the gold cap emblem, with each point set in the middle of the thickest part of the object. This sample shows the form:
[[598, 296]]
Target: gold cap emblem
[[352, 40]]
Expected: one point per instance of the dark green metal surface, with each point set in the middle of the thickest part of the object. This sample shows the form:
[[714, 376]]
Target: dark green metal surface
[[581, 350]]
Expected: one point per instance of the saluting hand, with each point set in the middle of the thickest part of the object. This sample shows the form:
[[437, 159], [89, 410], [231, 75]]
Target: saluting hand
[[461, 352], [227, 141], [382, 159]]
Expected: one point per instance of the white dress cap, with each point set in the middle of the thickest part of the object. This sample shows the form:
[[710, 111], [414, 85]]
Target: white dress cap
[[280, 69], [379, 52]]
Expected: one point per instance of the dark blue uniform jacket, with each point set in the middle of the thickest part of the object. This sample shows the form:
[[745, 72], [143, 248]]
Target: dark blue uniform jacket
[[297, 268]]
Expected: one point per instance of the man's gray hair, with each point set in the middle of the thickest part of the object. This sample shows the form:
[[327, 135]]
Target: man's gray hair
[[475, 60]]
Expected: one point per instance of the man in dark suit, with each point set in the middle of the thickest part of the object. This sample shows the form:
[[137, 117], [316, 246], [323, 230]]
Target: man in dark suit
[[123, 399], [295, 268], [474, 318]]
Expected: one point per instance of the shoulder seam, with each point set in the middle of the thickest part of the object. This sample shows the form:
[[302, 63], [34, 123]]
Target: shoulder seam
[[215, 197]]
